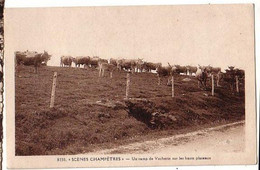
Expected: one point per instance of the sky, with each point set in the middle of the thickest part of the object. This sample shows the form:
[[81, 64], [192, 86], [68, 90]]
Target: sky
[[219, 35]]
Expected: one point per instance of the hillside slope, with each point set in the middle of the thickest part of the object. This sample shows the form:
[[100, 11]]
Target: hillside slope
[[90, 112]]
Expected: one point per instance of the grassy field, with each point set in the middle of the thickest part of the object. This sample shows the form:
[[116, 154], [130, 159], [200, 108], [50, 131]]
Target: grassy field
[[90, 113]]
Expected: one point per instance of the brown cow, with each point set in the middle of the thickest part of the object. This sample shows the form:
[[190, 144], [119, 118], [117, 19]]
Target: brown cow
[[126, 64], [167, 71], [103, 66], [94, 61], [215, 71], [32, 58], [113, 61], [191, 70], [85, 61], [202, 75], [65, 61], [149, 66], [181, 69], [130, 64]]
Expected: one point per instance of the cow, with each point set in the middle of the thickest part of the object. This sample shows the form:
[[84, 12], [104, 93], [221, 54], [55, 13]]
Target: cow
[[130, 64], [65, 61], [191, 70], [166, 71], [85, 61], [94, 61], [103, 60], [149, 66], [31, 58], [104, 66], [215, 71], [113, 61], [139, 65], [181, 69], [126, 64], [202, 75]]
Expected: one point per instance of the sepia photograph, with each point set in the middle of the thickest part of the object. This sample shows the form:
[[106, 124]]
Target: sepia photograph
[[130, 86]]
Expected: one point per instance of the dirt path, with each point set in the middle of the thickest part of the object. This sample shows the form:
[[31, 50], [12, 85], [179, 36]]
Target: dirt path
[[225, 138]]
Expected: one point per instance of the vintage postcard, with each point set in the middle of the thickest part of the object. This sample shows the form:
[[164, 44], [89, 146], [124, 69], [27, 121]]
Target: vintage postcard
[[130, 86]]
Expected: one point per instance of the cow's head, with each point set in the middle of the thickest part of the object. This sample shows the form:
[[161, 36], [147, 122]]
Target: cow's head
[[45, 57], [202, 68], [138, 61], [73, 58], [231, 67]]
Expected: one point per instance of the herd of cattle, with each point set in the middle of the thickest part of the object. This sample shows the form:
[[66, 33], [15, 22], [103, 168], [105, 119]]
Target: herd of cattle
[[202, 73]]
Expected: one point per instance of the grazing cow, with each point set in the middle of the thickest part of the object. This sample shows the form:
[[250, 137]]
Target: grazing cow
[[32, 58], [149, 66], [126, 64], [65, 61], [85, 61], [202, 75], [94, 61], [103, 66], [181, 69], [191, 70], [130, 64]]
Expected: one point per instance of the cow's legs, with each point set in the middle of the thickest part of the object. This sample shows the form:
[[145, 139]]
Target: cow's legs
[[111, 74]]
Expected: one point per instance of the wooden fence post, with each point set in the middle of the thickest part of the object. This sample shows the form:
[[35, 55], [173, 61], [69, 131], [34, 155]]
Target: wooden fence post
[[100, 72], [212, 82], [237, 84], [127, 85], [53, 90], [172, 86]]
